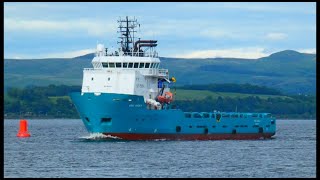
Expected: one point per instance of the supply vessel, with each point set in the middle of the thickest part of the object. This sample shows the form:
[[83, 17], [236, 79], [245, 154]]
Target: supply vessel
[[126, 95]]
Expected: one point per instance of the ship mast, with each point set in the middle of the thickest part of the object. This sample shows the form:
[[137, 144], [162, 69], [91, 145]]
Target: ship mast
[[126, 29], [129, 46]]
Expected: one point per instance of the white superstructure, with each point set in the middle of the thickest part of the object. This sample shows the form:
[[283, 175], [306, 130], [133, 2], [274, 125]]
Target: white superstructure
[[130, 71]]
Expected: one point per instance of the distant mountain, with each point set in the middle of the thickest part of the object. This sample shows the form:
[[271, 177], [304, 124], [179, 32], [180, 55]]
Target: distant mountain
[[87, 56], [288, 71], [289, 55]]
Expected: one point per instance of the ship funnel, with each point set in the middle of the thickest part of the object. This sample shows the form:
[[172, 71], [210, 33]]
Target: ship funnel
[[148, 43]]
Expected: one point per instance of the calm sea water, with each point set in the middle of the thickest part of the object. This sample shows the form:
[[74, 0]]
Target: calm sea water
[[58, 148]]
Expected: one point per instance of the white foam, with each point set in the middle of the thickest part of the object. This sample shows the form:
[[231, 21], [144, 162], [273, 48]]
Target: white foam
[[163, 139], [96, 136]]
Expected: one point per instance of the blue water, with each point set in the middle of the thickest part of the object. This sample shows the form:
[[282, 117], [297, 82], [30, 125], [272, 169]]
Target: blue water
[[63, 148]]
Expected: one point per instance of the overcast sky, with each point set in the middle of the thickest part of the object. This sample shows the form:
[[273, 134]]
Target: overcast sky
[[190, 30]]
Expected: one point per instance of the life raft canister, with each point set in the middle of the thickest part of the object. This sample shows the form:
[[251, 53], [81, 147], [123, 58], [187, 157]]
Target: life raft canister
[[167, 97]]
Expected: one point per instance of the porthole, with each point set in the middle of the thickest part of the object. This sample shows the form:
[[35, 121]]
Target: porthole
[[178, 129], [260, 130], [105, 120], [87, 119], [206, 130]]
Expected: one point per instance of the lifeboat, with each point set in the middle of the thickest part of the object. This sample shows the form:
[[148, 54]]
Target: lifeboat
[[166, 98]]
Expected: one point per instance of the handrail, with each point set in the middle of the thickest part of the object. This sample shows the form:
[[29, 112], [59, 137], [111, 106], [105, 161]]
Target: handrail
[[133, 54]]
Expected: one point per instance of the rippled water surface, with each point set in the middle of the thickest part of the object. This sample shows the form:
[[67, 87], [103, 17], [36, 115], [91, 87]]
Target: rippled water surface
[[63, 148]]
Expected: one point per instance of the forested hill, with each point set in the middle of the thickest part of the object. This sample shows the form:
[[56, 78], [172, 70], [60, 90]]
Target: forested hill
[[53, 101], [288, 71], [236, 88]]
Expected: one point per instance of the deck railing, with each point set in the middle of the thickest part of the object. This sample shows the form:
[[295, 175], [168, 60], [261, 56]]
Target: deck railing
[[147, 72], [134, 54]]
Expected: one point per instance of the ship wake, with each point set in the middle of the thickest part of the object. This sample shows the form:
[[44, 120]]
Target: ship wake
[[99, 136]]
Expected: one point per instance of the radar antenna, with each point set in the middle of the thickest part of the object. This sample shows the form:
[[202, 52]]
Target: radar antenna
[[126, 29]]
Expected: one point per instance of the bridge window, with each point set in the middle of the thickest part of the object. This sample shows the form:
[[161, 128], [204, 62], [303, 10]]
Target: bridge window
[[130, 65], [157, 65], [125, 65], [111, 65], [141, 65], [152, 64], [213, 115], [147, 65], [105, 65], [118, 65], [136, 65]]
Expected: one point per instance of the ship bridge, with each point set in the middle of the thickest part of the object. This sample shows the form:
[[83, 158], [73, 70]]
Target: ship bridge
[[147, 66]]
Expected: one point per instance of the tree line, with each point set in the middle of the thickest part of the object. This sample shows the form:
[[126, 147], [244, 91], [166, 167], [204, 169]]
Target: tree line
[[299, 106], [53, 102], [237, 88], [35, 101]]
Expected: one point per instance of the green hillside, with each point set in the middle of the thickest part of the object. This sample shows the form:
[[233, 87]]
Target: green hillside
[[182, 94], [288, 71]]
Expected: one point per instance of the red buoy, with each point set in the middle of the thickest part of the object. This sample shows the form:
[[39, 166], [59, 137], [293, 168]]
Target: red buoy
[[23, 131]]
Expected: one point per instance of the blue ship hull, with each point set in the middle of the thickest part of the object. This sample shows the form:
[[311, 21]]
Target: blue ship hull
[[127, 117]]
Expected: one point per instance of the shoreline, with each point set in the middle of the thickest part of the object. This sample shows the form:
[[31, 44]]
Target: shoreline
[[51, 118]]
